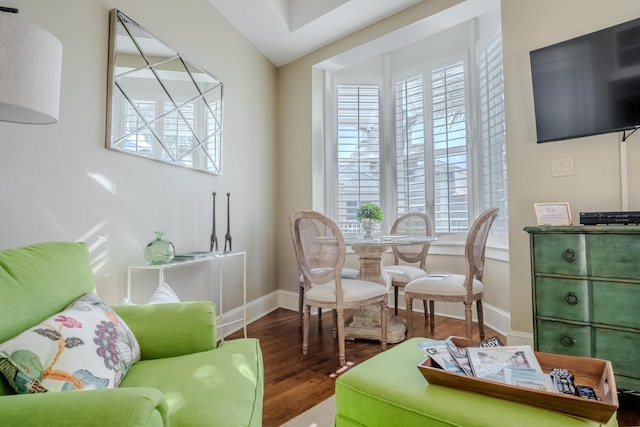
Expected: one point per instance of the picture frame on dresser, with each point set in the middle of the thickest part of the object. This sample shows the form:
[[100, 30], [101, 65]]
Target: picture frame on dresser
[[558, 213]]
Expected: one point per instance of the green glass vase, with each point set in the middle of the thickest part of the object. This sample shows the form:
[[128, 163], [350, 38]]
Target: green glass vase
[[159, 251]]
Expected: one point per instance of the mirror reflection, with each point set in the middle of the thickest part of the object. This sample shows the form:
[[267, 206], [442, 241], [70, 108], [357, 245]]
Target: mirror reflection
[[160, 105]]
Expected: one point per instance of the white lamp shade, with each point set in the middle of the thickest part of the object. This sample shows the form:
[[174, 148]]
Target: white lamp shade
[[30, 71]]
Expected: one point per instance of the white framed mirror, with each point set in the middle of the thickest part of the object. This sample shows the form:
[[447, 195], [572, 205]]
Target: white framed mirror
[[159, 105]]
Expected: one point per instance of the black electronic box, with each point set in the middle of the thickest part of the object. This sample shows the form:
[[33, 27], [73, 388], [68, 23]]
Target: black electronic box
[[610, 218]]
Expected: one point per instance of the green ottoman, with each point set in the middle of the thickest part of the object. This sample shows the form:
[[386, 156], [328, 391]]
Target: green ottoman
[[389, 390]]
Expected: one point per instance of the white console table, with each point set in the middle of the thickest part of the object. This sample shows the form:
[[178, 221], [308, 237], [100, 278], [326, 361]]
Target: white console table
[[216, 257]]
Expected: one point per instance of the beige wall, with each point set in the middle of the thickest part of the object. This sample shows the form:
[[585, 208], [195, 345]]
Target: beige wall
[[51, 175], [596, 184]]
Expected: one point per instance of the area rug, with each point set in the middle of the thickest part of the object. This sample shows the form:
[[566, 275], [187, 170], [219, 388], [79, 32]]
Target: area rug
[[321, 415]]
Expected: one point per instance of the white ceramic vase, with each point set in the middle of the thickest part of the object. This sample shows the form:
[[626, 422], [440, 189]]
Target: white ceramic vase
[[368, 226]]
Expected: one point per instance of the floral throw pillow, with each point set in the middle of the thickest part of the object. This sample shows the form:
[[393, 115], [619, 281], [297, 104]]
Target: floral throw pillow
[[86, 346]]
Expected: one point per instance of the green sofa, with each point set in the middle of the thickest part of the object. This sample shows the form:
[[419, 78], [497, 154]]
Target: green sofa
[[183, 378], [388, 390]]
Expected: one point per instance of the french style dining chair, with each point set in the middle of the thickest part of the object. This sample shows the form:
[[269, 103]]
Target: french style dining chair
[[449, 287], [401, 272], [303, 285], [321, 251]]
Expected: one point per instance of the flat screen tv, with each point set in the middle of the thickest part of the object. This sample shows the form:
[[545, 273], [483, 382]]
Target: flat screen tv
[[588, 85]]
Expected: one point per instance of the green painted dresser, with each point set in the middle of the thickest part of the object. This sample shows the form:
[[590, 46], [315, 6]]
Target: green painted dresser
[[586, 294]]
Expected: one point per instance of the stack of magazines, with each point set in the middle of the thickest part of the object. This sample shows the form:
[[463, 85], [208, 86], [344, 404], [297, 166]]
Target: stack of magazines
[[491, 360]]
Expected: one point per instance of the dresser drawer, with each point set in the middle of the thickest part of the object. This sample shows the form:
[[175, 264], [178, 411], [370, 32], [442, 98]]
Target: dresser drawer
[[616, 303], [614, 255], [560, 254], [563, 338], [562, 298], [621, 348]]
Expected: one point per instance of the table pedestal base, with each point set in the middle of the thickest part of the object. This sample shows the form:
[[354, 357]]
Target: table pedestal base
[[366, 324]]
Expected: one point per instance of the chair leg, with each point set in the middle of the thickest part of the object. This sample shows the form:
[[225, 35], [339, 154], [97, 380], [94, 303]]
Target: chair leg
[[432, 316], [468, 320], [341, 337], [480, 318], [408, 301], [395, 298], [334, 316], [305, 329], [426, 309], [300, 303], [384, 311]]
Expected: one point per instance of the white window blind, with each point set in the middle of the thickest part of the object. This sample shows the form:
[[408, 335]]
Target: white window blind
[[492, 132], [214, 135], [358, 151], [450, 167], [177, 134], [141, 142], [411, 181]]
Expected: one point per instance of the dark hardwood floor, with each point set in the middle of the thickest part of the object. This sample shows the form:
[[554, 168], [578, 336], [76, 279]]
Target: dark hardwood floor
[[295, 383]]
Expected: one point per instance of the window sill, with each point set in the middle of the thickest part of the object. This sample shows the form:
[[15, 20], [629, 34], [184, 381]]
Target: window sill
[[456, 248], [452, 247]]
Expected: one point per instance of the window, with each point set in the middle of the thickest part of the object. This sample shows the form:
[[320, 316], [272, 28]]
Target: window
[[445, 175], [141, 142], [177, 134], [445, 153], [358, 151], [449, 147], [411, 181], [176, 128], [493, 150]]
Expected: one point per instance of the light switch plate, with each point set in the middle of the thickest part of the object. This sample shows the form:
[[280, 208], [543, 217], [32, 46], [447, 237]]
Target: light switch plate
[[562, 167]]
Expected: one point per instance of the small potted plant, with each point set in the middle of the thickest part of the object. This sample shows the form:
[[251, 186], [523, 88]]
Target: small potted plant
[[368, 214]]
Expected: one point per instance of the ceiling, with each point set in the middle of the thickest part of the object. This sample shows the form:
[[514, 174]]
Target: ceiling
[[285, 30]]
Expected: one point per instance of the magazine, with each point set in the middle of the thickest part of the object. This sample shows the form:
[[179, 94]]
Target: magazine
[[529, 378], [460, 355], [194, 255], [489, 362], [439, 353], [490, 342]]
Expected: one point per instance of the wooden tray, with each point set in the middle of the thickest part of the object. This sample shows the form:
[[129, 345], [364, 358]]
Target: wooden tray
[[596, 373]]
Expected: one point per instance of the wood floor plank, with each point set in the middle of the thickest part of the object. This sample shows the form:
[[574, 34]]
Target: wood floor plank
[[295, 383]]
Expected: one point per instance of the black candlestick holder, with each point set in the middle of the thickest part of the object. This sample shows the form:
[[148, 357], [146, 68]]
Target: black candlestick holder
[[227, 237], [214, 238]]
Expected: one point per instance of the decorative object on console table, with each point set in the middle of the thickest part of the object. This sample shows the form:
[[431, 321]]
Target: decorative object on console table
[[227, 237], [159, 251], [586, 288], [213, 239], [368, 214]]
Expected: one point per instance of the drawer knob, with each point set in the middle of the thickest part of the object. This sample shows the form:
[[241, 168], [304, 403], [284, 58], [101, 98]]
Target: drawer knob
[[569, 255], [571, 298], [567, 340]]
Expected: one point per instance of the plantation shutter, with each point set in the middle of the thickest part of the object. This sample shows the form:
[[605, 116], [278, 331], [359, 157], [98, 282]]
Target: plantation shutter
[[492, 137], [450, 172], [358, 150], [411, 184]]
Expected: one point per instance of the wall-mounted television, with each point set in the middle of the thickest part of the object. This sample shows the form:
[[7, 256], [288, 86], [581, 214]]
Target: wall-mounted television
[[588, 85]]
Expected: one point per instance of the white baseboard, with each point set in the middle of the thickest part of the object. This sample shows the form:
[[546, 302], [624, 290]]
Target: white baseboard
[[495, 318], [256, 309], [520, 338]]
